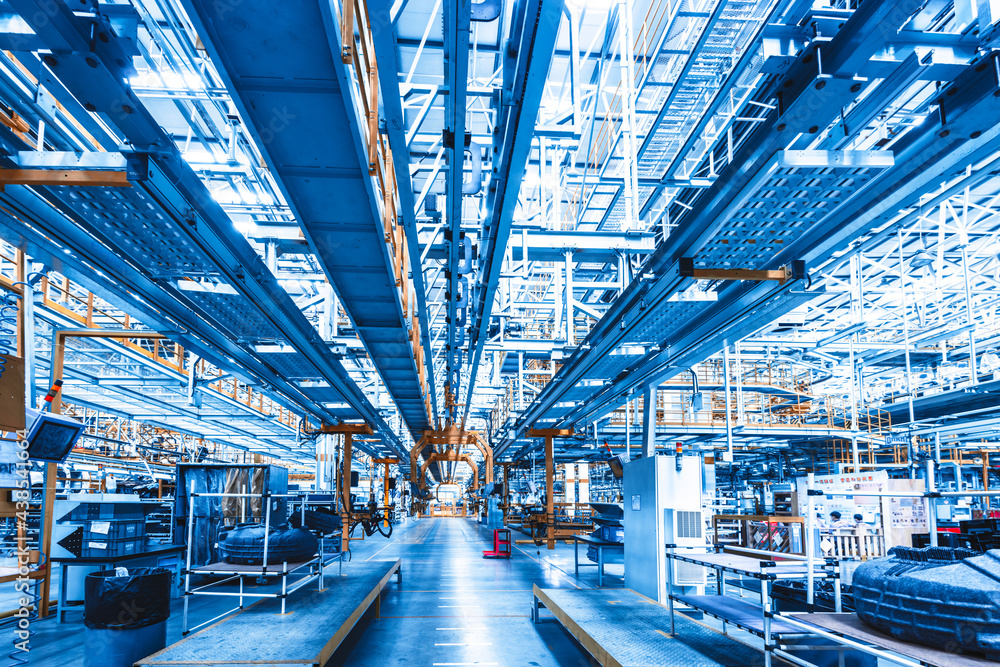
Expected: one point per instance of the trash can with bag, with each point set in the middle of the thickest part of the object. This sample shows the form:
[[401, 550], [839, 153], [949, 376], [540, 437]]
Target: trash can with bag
[[125, 616]]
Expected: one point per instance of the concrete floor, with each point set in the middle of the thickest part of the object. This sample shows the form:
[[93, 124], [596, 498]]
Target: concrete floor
[[453, 607]]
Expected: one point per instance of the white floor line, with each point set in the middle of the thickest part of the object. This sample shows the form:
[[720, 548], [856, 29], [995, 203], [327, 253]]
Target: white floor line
[[466, 644], [458, 606]]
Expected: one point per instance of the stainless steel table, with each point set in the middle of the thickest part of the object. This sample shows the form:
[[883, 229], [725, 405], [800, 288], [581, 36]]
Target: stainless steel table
[[600, 545]]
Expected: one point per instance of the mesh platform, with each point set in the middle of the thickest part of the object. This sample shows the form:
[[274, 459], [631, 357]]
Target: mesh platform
[[619, 627], [314, 625]]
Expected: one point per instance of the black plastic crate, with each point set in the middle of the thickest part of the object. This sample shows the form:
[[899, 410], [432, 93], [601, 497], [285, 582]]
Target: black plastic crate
[[114, 529], [108, 548], [106, 511]]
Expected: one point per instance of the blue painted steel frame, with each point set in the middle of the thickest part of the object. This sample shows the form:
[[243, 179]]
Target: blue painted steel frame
[[537, 26], [87, 58], [810, 98], [296, 96], [965, 136], [395, 129], [457, 17]]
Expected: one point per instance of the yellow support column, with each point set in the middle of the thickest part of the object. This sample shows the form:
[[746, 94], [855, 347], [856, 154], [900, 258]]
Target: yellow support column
[[550, 434]]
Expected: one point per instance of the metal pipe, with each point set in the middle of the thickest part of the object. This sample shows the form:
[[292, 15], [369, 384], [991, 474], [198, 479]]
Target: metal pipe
[[729, 421], [931, 504], [910, 453], [740, 407], [187, 568], [628, 119], [628, 448], [810, 583], [973, 375], [570, 329]]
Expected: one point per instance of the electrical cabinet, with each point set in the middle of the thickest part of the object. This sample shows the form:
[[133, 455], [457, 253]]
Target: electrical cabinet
[[662, 506]]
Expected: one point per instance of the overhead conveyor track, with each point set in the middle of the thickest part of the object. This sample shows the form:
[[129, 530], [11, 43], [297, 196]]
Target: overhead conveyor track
[[314, 118], [526, 67], [168, 234], [770, 205]]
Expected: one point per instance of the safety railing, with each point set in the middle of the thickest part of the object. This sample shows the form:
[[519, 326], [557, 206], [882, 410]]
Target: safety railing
[[62, 296], [852, 543]]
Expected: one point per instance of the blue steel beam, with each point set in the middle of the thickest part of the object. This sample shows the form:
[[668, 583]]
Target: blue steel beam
[[45, 235], [457, 17], [87, 57], [923, 157], [739, 313], [283, 64], [526, 66]]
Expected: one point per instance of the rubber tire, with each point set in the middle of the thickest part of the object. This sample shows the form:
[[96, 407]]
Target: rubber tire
[[324, 522], [244, 545]]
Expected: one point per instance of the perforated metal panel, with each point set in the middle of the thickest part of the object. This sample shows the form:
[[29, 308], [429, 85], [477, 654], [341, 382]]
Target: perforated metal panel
[[129, 219], [237, 315]]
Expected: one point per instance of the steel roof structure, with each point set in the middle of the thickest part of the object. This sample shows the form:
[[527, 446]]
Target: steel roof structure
[[501, 216]]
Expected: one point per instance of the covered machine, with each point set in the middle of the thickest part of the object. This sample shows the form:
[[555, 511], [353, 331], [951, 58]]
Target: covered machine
[[936, 596]]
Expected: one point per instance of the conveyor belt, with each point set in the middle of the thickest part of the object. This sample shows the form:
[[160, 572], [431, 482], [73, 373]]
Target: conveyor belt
[[851, 627], [314, 625], [621, 628]]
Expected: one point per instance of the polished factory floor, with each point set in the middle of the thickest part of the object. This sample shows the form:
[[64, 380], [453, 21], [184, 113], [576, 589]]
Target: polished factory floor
[[453, 607]]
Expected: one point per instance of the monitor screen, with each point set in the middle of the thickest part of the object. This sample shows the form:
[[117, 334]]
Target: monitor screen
[[51, 437], [52, 442]]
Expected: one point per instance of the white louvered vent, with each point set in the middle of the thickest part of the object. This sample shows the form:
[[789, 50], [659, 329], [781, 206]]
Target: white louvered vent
[[688, 524]]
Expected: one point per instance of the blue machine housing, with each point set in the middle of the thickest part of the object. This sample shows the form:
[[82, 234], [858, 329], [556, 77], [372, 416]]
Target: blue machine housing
[[944, 598]]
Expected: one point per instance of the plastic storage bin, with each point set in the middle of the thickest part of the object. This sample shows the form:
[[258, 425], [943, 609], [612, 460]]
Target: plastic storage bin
[[114, 529], [112, 548]]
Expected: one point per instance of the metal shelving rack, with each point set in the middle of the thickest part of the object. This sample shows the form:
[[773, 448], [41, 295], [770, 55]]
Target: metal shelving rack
[[757, 620], [231, 572]]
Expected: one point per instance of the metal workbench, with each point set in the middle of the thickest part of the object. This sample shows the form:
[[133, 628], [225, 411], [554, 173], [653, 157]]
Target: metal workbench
[[600, 546]]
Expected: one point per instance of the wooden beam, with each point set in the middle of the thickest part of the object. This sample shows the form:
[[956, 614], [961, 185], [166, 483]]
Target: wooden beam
[[56, 177], [364, 429], [781, 275], [550, 432], [792, 271], [385, 489]]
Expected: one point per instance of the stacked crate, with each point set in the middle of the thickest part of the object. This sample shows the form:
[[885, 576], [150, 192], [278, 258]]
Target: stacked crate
[[111, 529]]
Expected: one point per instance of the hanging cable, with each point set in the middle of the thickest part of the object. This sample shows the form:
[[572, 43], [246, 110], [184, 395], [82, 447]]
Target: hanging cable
[[8, 327]]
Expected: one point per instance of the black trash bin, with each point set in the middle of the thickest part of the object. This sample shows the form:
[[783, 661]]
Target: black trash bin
[[125, 617]]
